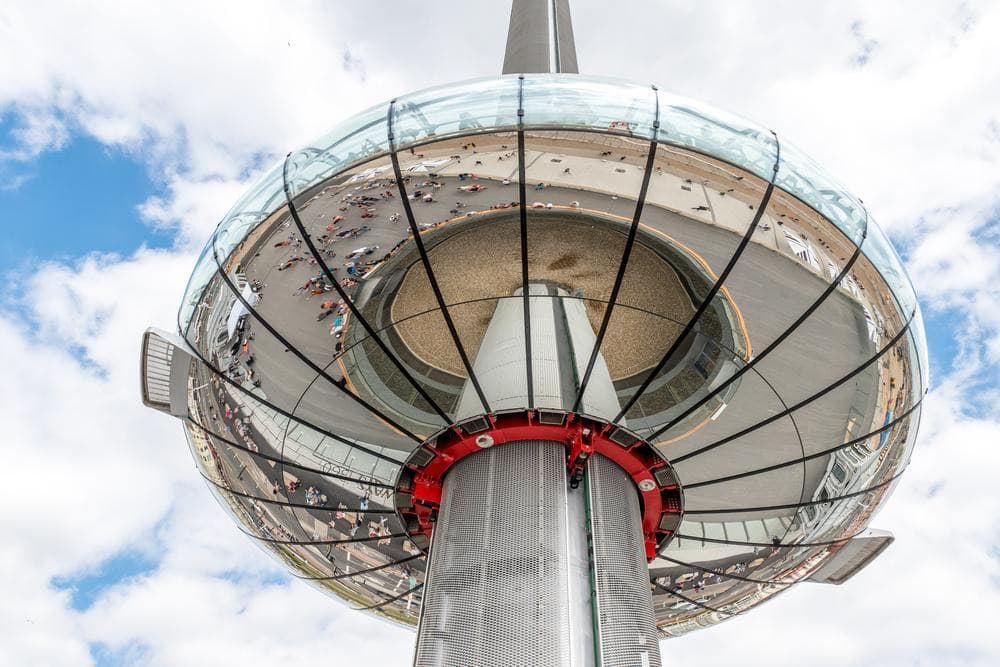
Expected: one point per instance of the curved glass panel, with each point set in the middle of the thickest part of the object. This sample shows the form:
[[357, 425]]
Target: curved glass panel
[[879, 250], [465, 108], [802, 177], [357, 139], [589, 102], [687, 123]]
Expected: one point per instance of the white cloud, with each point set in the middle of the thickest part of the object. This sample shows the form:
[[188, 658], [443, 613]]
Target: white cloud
[[196, 610], [192, 207], [207, 93], [205, 87], [37, 132]]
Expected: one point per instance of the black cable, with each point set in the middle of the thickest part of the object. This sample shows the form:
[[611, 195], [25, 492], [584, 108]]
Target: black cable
[[285, 503], [680, 595], [737, 577], [350, 302], [850, 443], [304, 543], [415, 230], [348, 575], [806, 401], [390, 600], [788, 506], [772, 544], [626, 255], [283, 461], [707, 302], [523, 210]]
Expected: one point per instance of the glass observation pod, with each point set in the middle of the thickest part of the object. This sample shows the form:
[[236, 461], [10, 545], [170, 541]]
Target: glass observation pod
[[570, 248]]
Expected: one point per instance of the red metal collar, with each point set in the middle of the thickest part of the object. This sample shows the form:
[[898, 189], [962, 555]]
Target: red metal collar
[[418, 489]]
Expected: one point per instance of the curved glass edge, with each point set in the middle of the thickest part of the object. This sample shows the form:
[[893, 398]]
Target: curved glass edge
[[919, 336], [691, 124], [460, 109], [596, 103], [356, 139], [799, 175], [879, 250], [602, 104], [203, 271], [258, 204]]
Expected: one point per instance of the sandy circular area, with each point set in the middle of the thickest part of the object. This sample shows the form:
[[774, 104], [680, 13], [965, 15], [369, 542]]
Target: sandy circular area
[[580, 254]]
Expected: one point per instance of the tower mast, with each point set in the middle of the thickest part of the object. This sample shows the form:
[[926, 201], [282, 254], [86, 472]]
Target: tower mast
[[540, 38]]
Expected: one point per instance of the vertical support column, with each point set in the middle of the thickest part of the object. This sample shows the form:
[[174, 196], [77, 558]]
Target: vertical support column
[[561, 342], [497, 591], [524, 570], [501, 363], [624, 602]]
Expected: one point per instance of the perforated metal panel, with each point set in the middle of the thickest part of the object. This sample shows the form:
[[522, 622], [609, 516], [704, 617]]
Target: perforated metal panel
[[627, 630], [497, 573]]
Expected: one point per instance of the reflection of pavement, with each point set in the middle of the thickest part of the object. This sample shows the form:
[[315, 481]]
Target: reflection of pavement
[[771, 290]]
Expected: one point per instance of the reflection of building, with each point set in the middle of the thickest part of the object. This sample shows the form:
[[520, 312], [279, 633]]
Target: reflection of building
[[558, 360]]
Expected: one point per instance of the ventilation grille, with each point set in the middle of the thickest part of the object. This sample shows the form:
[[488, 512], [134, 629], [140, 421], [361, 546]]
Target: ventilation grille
[[624, 601], [497, 579]]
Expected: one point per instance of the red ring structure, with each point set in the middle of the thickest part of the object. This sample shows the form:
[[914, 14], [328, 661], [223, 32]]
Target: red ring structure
[[418, 489]]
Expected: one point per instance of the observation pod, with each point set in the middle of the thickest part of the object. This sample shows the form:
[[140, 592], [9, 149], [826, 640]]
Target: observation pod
[[549, 365]]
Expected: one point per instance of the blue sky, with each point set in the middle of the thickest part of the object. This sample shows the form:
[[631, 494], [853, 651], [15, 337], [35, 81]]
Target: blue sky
[[74, 201], [114, 140], [85, 587]]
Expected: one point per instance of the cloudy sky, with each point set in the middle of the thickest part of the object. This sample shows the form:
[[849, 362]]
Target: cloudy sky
[[126, 131]]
